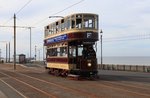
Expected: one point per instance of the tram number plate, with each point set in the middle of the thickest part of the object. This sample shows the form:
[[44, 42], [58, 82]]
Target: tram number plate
[[89, 35]]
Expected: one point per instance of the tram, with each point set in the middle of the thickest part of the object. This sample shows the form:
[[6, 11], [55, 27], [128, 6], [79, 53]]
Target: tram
[[70, 43]]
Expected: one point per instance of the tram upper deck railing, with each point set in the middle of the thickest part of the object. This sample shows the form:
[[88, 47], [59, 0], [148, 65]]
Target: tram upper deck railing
[[75, 22]]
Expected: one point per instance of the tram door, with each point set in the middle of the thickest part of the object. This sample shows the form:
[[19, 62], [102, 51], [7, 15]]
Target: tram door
[[75, 55]]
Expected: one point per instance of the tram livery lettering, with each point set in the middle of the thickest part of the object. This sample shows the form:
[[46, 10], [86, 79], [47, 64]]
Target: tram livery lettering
[[57, 39]]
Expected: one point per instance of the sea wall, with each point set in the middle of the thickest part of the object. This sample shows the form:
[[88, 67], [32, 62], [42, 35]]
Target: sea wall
[[135, 68]]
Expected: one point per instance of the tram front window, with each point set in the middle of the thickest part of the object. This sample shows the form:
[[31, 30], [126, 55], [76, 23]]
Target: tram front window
[[80, 50], [88, 52], [90, 22]]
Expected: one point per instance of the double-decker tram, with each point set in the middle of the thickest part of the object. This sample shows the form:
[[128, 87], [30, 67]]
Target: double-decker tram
[[70, 43]]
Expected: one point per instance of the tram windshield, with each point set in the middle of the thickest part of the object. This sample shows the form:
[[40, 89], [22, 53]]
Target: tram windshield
[[88, 52]]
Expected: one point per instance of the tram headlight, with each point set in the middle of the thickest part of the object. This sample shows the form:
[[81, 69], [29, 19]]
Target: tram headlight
[[89, 64]]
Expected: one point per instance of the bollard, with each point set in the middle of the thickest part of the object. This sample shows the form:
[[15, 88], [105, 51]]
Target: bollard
[[136, 68], [143, 68], [124, 67]]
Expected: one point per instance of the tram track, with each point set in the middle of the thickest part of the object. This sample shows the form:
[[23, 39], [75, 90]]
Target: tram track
[[106, 83], [72, 90], [123, 89], [23, 96], [125, 84], [60, 86], [26, 84]]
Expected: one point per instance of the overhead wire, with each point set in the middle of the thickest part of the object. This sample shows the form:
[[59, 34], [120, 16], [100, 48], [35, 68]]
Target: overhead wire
[[23, 7], [59, 11], [18, 11], [127, 38], [7, 21]]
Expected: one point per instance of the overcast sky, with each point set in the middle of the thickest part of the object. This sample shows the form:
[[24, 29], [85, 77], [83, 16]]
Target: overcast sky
[[125, 23]]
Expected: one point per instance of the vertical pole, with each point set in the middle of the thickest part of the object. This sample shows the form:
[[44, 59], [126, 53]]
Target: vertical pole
[[30, 43], [9, 53], [39, 54], [0, 55], [14, 42], [6, 52], [35, 52], [101, 51], [43, 53]]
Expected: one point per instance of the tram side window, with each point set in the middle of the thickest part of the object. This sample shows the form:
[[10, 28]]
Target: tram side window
[[79, 23], [68, 24], [57, 27], [46, 33], [96, 22], [72, 51], [50, 30], [54, 28], [58, 52], [73, 24], [49, 52], [63, 51], [52, 52], [62, 25], [65, 25]]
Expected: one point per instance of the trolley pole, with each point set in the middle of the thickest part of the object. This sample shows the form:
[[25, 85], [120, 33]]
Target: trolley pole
[[101, 32], [14, 41]]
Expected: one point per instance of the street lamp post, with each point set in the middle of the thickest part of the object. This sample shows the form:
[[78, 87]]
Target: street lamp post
[[101, 32], [14, 41]]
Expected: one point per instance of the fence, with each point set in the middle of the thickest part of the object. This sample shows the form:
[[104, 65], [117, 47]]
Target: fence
[[135, 68]]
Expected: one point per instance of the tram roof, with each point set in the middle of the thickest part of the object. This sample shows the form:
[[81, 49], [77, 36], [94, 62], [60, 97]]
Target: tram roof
[[72, 15]]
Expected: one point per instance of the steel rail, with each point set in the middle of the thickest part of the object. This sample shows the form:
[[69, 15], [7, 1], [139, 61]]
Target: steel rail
[[14, 89], [120, 89], [64, 87], [50, 95], [81, 92]]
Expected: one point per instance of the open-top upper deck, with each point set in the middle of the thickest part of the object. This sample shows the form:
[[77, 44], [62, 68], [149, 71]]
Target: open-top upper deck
[[80, 22]]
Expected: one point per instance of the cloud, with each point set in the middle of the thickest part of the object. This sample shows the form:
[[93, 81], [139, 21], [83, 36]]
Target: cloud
[[118, 18]]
